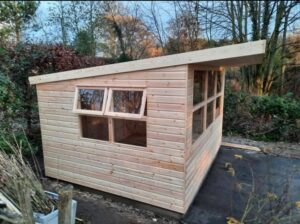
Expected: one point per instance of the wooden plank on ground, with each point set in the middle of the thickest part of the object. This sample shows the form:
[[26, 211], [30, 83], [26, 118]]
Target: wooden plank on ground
[[240, 146]]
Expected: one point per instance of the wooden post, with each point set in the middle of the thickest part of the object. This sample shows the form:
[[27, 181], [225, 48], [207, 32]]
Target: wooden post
[[65, 204], [25, 201]]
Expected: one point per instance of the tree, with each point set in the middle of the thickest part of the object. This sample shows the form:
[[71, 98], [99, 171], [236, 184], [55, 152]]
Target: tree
[[126, 36], [184, 28], [74, 17], [16, 14], [255, 20], [84, 43]]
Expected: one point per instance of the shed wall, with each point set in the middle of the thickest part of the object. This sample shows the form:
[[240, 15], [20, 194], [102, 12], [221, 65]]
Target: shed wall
[[154, 174], [200, 155]]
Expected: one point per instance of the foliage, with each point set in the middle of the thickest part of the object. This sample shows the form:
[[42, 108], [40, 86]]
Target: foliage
[[9, 99], [17, 13], [14, 168], [18, 103], [84, 43], [8, 140], [271, 118]]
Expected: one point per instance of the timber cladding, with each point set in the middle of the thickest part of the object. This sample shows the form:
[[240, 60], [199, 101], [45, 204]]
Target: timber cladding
[[167, 172]]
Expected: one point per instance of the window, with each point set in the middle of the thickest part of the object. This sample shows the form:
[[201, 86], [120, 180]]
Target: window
[[218, 106], [219, 82], [207, 100], [126, 103], [211, 84], [112, 114], [89, 100], [199, 86], [198, 116], [130, 132], [209, 114], [94, 127]]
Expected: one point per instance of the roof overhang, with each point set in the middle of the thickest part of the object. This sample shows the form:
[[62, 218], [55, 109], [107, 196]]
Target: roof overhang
[[232, 55]]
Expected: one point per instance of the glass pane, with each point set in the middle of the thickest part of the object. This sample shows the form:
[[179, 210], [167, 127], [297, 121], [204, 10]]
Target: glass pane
[[91, 99], [197, 123], [199, 85], [94, 127], [211, 84], [219, 82], [130, 132], [127, 101], [210, 115], [218, 106]]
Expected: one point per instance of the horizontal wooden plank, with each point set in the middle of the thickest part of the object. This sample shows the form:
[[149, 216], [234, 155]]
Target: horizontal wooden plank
[[174, 169], [166, 107], [167, 137], [62, 124], [166, 91], [68, 118], [93, 183], [166, 99], [56, 105], [116, 154], [166, 114], [63, 112], [168, 123], [173, 177], [240, 146], [166, 129], [55, 99], [55, 128], [121, 186], [160, 154], [64, 94], [176, 183], [116, 177], [163, 143]]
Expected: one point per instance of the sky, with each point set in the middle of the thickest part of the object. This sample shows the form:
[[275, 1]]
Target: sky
[[50, 34]]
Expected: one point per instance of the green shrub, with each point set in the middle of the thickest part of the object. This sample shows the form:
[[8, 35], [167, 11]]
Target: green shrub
[[8, 140], [269, 118]]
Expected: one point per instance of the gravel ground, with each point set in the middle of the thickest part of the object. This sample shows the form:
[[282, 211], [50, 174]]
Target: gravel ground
[[290, 150]]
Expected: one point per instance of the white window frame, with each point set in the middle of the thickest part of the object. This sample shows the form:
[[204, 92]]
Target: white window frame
[[121, 114], [89, 112]]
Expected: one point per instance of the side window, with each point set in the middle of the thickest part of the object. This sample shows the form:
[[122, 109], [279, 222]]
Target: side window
[[199, 86], [207, 100], [198, 127]]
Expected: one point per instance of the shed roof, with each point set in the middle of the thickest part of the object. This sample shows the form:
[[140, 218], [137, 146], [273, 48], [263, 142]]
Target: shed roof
[[231, 55]]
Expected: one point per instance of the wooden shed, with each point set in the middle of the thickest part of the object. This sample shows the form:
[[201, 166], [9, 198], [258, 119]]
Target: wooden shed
[[147, 130]]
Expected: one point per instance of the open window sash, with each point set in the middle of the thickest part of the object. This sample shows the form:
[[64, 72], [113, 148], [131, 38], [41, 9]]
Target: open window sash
[[126, 102], [90, 100]]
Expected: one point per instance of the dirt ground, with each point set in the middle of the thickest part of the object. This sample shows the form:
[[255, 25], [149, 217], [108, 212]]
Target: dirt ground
[[224, 193]]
